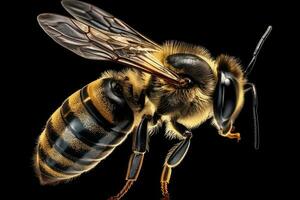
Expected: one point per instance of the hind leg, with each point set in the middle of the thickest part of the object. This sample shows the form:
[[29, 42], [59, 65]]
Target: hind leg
[[139, 147]]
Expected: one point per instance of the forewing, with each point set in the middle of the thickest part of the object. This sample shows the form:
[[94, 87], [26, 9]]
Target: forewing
[[100, 36], [102, 20], [74, 36]]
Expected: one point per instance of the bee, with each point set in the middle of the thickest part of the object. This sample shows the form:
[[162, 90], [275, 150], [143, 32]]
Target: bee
[[177, 85]]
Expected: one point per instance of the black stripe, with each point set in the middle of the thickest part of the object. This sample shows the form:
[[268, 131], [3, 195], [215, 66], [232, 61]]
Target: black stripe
[[80, 157], [64, 148], [54, 165], [92, 110], [97, 141]]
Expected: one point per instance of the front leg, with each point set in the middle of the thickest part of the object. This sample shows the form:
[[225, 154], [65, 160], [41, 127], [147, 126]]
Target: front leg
[[174, 157], [229, 133]]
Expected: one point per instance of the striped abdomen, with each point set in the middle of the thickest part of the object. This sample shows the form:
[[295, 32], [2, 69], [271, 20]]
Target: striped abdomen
[[82, 132]]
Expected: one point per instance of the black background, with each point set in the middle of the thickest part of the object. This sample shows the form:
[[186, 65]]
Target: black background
[[215, 167]]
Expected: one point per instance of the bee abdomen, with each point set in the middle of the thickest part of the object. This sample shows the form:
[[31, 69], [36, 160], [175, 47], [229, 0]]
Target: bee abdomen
[[77, 137]]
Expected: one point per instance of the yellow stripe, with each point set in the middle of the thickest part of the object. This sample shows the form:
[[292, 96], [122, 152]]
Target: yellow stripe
[[57, 122], [53, 173], [44, 166], [94, 91], [66, 134], [79, 110], [56, 156]]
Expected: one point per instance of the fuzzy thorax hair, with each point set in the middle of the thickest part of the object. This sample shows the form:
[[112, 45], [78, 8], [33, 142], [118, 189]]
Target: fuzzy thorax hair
[[190, 106]]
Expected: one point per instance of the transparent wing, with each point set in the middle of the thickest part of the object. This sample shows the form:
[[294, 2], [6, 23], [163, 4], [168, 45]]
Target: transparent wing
[[76, 37], [93, 38], [101, 20]]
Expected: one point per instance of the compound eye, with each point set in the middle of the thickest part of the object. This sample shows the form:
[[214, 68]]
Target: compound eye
[[230, 96], [225, 98], [116, 88]]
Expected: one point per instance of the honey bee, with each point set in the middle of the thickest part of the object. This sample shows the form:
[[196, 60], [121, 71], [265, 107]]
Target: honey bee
[[177, 85]]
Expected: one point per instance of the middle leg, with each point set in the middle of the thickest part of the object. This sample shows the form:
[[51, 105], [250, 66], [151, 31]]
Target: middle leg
[[174, 157]]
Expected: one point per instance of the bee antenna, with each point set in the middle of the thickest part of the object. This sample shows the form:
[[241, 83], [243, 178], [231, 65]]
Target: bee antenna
[[257, 49]]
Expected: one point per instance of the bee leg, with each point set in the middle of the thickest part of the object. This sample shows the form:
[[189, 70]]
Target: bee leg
[[139, 147], [174, 158], [228, 132]]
